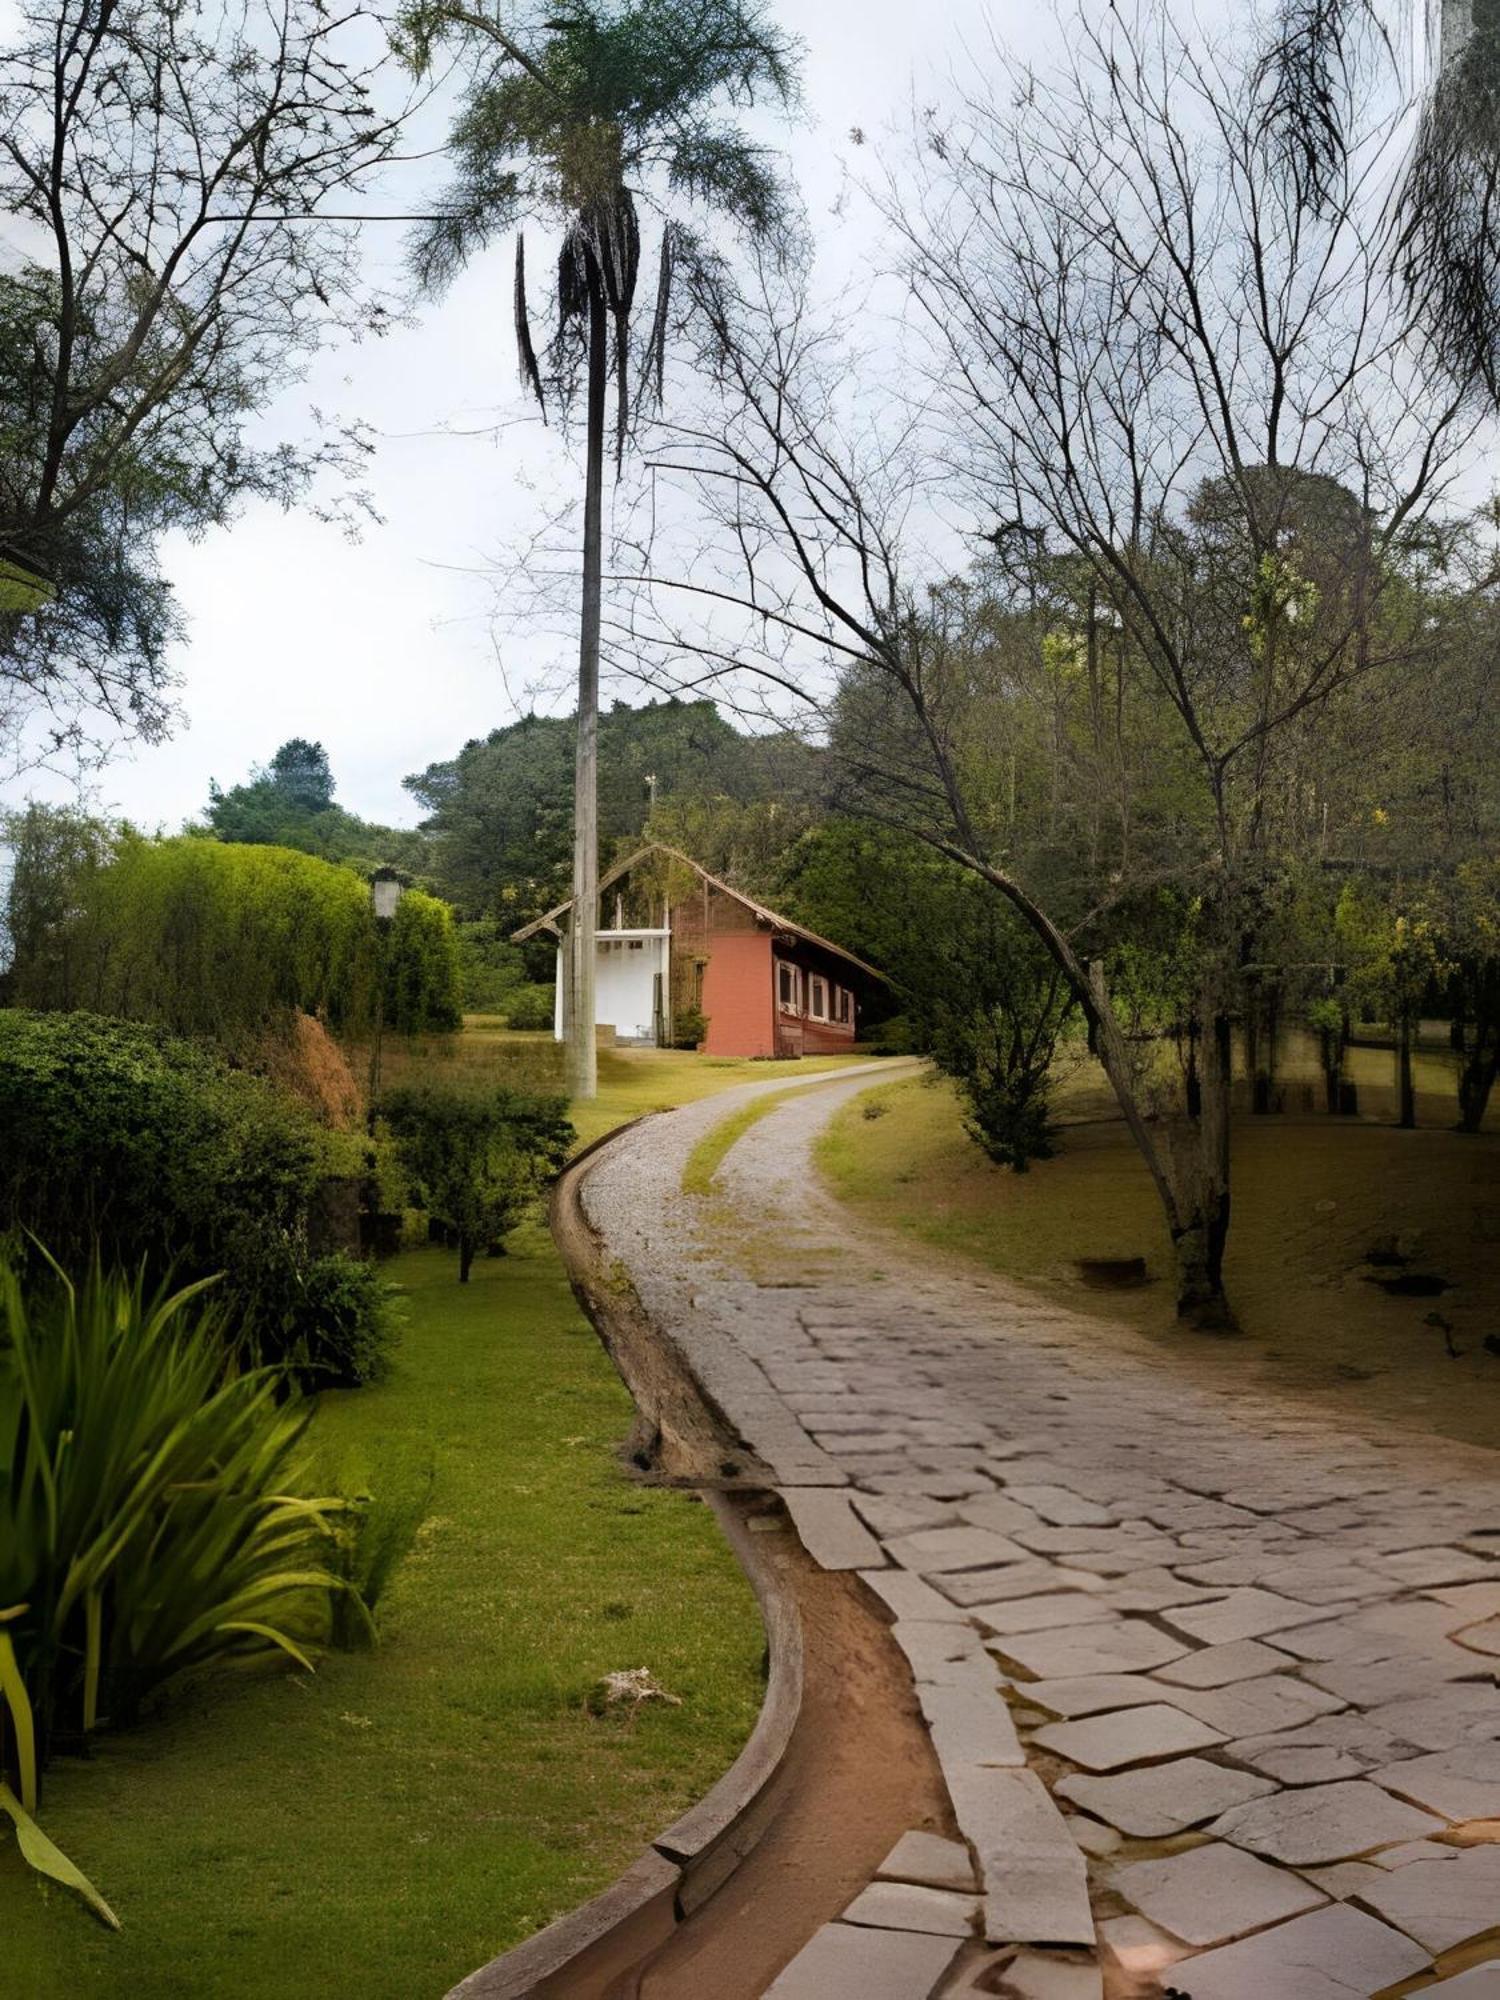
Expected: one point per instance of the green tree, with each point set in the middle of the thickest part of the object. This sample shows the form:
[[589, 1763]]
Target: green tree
[[163, 168], [477, 1159], [579, 110]]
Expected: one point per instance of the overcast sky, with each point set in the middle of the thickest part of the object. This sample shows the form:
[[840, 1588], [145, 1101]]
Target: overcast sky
[[385, 650]]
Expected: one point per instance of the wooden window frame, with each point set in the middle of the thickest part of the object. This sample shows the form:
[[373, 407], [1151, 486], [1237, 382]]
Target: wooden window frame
[[794, 974]]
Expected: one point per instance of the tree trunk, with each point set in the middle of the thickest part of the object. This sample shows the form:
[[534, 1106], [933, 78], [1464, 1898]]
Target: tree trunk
[[583, 1060], [1477, 1072], [466, 1249], [1404, 1087], [1200, 1176]]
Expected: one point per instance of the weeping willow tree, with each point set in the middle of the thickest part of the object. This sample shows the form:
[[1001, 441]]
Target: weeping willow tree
[[1445, 233], [582, 116]]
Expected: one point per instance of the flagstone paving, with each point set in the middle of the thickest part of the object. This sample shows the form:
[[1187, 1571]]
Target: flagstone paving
[[1212, 1681]]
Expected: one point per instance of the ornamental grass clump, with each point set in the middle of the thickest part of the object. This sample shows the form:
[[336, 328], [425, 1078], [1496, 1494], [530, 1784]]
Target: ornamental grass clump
[[154, 1516]]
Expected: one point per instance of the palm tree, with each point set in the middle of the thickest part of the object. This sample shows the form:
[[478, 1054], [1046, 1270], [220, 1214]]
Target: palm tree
[[1446, 214], [582, 114]]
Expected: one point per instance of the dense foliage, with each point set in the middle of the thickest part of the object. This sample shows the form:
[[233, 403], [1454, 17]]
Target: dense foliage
[[477, 1158], [148, 1147], [500, 812], [290, 803], [210, 939], [152, 1511]]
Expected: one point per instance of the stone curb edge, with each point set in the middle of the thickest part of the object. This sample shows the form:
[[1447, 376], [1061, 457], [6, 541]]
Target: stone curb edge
[[593, 1952]]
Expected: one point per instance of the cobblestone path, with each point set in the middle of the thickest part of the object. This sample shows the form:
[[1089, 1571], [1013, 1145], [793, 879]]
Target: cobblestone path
[[1212, 1683]]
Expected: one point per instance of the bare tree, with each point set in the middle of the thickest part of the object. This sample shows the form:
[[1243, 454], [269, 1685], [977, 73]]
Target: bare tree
[[1176, 407], [164, 171]]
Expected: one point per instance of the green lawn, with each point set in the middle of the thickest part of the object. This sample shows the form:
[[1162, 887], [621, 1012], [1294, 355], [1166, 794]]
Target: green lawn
[[384, 1827]]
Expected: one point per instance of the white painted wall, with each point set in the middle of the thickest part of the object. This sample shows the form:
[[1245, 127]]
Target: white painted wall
[[625, 983]]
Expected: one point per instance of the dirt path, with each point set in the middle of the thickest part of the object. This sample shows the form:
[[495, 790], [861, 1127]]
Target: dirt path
[[1211, 1684]]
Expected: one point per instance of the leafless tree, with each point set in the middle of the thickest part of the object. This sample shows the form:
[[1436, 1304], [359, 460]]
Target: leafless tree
[[1175, 404]]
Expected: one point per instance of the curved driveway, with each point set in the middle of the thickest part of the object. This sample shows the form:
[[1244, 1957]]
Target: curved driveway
[[1212, 1684]]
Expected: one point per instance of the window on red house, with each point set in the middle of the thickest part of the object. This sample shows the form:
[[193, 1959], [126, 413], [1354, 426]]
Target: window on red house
[[786, 987], [818, 1007]]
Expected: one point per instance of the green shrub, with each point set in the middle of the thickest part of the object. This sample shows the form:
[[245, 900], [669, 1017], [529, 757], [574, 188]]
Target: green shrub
[[341, 1323], [154, 1514], [124, 1139], [206, 938], [691, 1028], [477, 1157], [531, 1007]]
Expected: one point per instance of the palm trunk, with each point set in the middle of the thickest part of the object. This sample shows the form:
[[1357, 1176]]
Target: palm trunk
[[1200, 1189], [583, 1061]]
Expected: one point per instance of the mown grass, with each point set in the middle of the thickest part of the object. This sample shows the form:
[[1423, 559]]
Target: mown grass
[[1312, 1196], [387, 1825]]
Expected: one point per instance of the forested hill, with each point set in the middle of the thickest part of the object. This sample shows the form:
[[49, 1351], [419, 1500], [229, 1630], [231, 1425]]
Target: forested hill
[[500, 813]]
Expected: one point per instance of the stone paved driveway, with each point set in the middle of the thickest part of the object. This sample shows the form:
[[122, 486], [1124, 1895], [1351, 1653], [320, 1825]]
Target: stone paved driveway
[[1213, 1685]]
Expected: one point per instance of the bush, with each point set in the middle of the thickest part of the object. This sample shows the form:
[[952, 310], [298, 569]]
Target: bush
[[124, 1139], [341, 1323], [154, 1515], [691, 1028], [477, 1157], [205, 938], [531, 1007], [490, 966]]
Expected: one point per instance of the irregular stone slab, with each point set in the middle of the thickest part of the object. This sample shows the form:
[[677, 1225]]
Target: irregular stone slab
[[1166, 1798], [849, 1962], [1259, 1707], [1422, 1569], [1214, 1894], [1462, 1784], [1373, 1683], [1441, 1903], [934, 1549], [1121, 1645], [1243, 1614], [1139, 1946], [1092, 1835], [1331, 1954], [910, 1598], [948, 1654], [830, 1532], [930, 1859], [1128, 1736], [1028, 1579], [1047, 1613], [1324, 1823], [1063, 1509], [904, 1906], [1035, 1975], [888, 1514], [1035, 1880], [1218, 1666], [1466, 1712], [997, 1511], [969, 1725], [1480, 1982], [1090, 1694], [1483, 1638]]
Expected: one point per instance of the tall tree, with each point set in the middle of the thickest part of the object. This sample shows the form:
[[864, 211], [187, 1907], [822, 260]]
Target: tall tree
[[1178, 410], [166, 166], [587, 111]]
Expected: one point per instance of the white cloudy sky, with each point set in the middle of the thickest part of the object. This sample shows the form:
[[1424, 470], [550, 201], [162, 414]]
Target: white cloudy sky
[[385, 650]]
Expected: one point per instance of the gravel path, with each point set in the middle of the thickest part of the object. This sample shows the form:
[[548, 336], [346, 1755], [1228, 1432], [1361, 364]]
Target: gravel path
[[1212, 1684]]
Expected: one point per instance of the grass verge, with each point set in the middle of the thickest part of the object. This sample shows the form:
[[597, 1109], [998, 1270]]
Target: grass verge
[[385, 1826]]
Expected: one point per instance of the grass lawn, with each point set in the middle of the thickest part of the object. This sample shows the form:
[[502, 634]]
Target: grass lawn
[[1312, 1196], [389, 1824], [384, 1827]]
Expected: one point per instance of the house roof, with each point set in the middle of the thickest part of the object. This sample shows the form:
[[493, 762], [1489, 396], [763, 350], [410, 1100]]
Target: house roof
[[771, 918]]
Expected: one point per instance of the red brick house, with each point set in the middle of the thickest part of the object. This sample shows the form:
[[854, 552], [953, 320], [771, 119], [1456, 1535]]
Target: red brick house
[[673, 941]]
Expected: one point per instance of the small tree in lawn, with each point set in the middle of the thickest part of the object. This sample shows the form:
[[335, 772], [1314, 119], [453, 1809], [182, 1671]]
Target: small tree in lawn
[[576, 112], [477, 1159]]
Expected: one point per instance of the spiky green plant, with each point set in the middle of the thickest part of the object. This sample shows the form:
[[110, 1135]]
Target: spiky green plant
[[152, 1513]]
